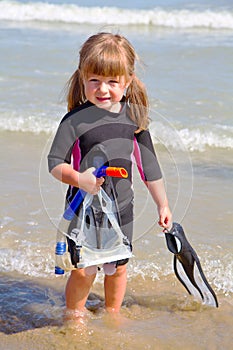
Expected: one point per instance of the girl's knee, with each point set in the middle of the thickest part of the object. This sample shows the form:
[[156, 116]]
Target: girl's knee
[[120, 274], [77, 273], [82, 275], [120, 271]]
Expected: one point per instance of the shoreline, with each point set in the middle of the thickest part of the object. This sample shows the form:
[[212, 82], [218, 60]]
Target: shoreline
[[151, 317]]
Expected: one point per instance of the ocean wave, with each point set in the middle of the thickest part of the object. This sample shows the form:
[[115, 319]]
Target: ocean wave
[[38, 261], [29, 262], [193, 139], [35, 124], [71, 13]]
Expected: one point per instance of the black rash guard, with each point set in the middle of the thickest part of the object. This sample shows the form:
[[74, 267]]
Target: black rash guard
[[87, 126]]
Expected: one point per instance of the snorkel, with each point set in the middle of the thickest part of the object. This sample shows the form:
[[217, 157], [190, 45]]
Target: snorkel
[[78, 198]]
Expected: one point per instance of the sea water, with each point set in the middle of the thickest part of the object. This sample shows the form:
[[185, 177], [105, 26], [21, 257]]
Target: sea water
[[186, 51]]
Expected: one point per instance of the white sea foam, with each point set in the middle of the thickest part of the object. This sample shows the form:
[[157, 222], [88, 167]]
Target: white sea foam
[[21, 123], [193, 138], [214, 269], [186, 138], [29, 259], [70, 13]]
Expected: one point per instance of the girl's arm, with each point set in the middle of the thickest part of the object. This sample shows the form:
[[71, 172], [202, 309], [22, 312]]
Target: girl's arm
[[158, 193], [86, 180]]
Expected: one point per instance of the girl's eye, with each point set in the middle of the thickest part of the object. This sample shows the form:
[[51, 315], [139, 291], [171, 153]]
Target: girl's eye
[[113, 83], [97, 81]]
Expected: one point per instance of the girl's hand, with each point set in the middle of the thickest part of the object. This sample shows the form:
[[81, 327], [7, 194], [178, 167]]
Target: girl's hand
[[165, 217], [89, 182]]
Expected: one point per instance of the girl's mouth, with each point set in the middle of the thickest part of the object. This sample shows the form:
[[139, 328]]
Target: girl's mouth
[[103, 99]]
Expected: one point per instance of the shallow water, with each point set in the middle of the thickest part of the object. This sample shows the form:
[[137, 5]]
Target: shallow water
[[157, 311], [155, 314]]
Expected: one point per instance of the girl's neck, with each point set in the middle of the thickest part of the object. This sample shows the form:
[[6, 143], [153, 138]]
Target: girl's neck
[[115, 108]]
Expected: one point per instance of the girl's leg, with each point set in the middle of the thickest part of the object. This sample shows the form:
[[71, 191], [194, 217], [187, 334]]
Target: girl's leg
[[115, 287], [77, 289]]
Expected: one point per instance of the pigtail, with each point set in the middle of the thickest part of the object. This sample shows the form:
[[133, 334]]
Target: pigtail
[[75, 95], [137, 98]]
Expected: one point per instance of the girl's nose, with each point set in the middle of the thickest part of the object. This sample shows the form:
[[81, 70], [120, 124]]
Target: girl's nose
[[103, 87]]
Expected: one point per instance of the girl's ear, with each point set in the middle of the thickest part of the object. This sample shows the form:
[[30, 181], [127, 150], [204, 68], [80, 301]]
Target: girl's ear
[[129, 82]]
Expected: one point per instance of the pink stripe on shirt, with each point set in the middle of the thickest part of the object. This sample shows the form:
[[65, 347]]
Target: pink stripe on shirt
[[138, 159]]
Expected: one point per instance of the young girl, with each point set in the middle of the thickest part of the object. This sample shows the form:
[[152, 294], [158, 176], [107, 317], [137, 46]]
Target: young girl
[[107, 106]]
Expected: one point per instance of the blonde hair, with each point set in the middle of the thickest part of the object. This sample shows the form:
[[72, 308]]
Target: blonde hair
[[110, 54]]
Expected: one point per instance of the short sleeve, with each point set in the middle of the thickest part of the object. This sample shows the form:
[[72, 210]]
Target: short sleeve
[[145, 157], [61, 149]]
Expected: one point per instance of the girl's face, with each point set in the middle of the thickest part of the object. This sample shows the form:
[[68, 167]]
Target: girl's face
[[105, 92]]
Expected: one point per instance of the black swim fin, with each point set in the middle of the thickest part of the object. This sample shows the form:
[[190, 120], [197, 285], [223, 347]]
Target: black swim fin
[[187, 266]]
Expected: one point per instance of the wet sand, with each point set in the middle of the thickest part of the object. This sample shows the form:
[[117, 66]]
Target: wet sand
[[155, 315]]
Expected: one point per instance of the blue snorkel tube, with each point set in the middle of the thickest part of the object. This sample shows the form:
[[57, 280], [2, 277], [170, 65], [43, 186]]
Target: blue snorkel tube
[[79, 196]]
